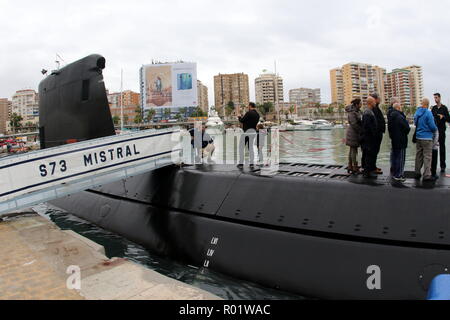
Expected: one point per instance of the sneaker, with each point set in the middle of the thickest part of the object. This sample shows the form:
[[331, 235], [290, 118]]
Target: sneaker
[[378, 171], [240, 166], [443, 170], [399, 179]]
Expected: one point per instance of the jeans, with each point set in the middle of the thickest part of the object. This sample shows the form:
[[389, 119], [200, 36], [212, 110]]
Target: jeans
[[247, 139], [424, 157], [398, 162]]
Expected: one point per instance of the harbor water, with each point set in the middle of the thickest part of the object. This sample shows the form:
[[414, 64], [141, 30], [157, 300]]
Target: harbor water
[[319, 147]]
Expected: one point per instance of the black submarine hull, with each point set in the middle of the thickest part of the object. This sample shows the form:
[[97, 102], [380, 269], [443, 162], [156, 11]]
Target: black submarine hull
[[311, 229], [272, 235]]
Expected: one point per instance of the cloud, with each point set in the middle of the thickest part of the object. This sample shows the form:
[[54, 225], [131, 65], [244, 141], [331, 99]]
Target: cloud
[[306, 39]]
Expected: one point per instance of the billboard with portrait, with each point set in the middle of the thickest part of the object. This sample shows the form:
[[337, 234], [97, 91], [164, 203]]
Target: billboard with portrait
[[170, 85]]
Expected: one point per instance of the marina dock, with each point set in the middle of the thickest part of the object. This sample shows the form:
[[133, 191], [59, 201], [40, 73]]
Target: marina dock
[[37, 256]]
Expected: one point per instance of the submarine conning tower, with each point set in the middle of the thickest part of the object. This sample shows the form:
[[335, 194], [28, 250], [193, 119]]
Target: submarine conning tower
[[73, 105]]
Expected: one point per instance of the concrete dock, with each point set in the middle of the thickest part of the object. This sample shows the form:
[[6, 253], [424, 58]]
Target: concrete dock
[[37, 258]]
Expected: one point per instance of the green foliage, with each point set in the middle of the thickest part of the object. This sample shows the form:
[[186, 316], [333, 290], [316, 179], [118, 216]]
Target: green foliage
[[116, 120], [265, 108], [15, 121]]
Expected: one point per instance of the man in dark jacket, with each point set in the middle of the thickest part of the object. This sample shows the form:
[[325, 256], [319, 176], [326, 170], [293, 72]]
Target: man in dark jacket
[[370, 141], [249, 123], [381, 125], [398, 131], [441, 117]]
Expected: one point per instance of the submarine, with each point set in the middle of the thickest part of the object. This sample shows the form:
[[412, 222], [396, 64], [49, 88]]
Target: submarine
[[311, 229]]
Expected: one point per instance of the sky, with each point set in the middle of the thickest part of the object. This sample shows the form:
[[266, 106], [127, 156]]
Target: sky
[[305, 38]]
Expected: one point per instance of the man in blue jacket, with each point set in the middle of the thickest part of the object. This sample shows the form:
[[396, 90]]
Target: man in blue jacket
[[426, 127]]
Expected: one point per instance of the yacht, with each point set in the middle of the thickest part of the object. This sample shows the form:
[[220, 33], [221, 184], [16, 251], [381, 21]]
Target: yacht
[[323, 125], [214, 123], [300, 125]]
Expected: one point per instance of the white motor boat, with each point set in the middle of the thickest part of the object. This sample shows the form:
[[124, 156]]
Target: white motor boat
[[323, 125], [214, 123], [300, 125]]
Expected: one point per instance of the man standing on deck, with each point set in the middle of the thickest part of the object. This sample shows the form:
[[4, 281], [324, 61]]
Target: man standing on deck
[[249, 123], [381, 126], [441, 117], [370, 141], [425, 129]]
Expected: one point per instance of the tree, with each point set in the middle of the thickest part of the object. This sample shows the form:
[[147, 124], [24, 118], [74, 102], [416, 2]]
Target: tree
[[291, 110], [138, 117], [15, 121], [167, 113], [184, 112], [150, 115], [116, 120], [265, 108], [198, 113], [229, 108], [179, 117]]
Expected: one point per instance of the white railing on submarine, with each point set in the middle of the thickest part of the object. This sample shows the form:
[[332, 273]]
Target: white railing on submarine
[[44, 175]]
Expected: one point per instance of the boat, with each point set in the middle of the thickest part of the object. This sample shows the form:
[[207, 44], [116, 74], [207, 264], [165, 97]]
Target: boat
[[214, 125], [310, 229], [322, 125], [300, 125]]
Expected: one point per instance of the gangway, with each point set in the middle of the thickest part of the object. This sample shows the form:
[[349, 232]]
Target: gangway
[[44, 175]]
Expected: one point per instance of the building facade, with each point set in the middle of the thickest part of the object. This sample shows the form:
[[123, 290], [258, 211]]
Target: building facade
[[337, 86], [398, 84], [360, 80], [305, 97], [26, 104], [416, 82], [231, 88], [269, 89], [5, 113], [129, 100], [202, 92]]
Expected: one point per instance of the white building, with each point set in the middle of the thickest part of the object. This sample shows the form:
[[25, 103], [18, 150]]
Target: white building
[[269, 88], [26, 104]]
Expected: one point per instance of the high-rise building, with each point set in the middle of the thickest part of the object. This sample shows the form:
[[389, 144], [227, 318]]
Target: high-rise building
[[269, 88], [416, 82], [359, 80], [5, 112], [337, 86], [231, 88], [202, 92], [398, 84], [305, 97], [130, 101], [26, 104]]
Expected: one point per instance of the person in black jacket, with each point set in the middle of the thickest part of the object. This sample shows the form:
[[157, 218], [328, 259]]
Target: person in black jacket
[[381, 125], [370, 140], [441, 117], [394, 100], [249, 123], [398, 131]]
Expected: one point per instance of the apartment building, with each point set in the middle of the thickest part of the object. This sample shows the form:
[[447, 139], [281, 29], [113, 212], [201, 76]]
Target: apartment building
[[269, 88], [231, 88], [202, 92]]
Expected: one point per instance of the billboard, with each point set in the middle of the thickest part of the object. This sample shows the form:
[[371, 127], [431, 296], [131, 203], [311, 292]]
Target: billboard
[[169, 85]]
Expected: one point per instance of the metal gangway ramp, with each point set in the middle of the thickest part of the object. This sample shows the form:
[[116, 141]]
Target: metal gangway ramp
[[44, 175]]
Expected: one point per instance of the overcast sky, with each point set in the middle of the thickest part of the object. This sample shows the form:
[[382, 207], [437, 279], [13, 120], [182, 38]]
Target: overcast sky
[[306, 38]]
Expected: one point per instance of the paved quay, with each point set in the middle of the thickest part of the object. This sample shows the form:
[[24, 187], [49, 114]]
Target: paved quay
[[35, 256]]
